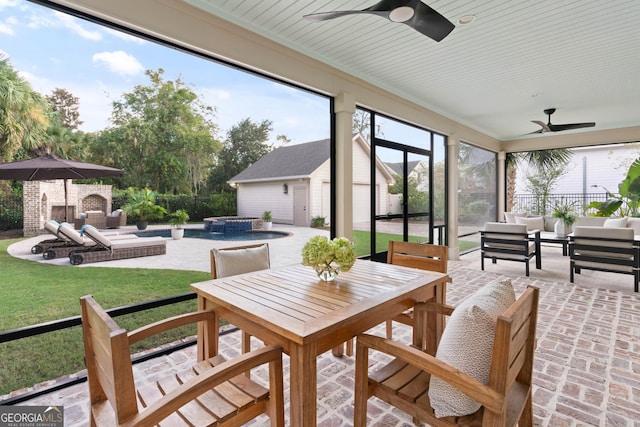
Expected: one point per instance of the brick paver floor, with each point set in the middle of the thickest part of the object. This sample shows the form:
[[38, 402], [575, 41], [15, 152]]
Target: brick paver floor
[[587, 367]]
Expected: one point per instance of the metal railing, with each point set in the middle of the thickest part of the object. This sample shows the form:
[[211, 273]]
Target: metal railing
[[536, 204], [70, 322]]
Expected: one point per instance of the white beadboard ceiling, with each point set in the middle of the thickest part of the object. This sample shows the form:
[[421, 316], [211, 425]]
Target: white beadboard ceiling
[[495, 75]]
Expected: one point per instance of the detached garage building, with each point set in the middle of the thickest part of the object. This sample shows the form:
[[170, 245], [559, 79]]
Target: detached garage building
[[293, 182]]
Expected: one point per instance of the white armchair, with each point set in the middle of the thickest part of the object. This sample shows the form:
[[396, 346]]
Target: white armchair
[[510, 242], [607, 249]]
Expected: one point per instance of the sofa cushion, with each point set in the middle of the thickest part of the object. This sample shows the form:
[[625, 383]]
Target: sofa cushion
[[467, 344], [633, 222], [510, 217], [589, 221], [532, 223], [239, 261], [615, 222]]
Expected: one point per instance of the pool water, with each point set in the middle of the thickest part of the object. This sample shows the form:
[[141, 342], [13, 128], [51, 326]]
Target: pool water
[[195, 233]]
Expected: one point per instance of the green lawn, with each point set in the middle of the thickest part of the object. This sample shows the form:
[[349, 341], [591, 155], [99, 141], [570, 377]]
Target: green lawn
[[32, 293]]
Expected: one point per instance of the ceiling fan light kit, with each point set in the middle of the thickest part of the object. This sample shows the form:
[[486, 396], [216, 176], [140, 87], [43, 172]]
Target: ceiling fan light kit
[[413, 13]]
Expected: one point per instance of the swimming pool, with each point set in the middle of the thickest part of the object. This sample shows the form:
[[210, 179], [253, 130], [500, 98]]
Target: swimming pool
[[195, 233]]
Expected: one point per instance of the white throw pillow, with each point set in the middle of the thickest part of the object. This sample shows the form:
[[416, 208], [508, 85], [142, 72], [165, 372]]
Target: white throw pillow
[[510, 217], [467, 344], [615, 222], [239, 261], [532, 223]]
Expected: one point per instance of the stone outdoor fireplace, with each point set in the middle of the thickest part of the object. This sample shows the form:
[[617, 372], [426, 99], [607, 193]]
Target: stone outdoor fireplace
[[44, 200]]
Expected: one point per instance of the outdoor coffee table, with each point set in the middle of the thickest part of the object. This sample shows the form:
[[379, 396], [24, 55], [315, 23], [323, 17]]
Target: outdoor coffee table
[[290, 306]]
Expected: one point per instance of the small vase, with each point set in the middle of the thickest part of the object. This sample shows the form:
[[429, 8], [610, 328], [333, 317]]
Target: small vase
[[327, 274]]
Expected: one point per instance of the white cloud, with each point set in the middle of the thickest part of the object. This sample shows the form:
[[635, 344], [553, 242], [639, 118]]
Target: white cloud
[[8, 3], [126, 37], [75, 26], [6, 27], [60, 20], [119, 62]]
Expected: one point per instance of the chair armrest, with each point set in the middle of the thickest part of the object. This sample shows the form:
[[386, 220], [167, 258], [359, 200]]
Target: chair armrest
[[483, 394], [169, 323], [433, 307], [200, 384]]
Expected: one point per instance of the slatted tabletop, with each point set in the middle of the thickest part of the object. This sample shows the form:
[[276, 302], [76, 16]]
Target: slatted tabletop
[[290, 306]]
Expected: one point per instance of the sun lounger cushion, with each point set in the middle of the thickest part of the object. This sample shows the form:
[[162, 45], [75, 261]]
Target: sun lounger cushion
[[467, 344], [230, 263]]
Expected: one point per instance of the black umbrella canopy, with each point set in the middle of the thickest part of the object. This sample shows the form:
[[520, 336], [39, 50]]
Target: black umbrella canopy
[[50, 166]]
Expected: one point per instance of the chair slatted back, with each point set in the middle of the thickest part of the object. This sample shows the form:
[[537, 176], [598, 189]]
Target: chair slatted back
[[418, 255], [513, 350], [108, 360]]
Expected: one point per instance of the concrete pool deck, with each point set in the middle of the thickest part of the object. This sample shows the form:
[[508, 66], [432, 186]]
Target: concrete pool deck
[[187, 253]]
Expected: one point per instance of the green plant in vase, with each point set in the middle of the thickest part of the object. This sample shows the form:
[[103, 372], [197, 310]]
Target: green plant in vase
[[178, 219], [565, 216], [328, 257]]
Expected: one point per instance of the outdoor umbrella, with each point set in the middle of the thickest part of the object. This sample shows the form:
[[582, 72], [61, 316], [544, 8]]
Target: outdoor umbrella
[[50, 166]]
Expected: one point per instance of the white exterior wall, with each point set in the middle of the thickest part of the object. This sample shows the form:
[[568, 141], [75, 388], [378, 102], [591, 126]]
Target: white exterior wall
[[319, 204], [605, 166], [255, 198]]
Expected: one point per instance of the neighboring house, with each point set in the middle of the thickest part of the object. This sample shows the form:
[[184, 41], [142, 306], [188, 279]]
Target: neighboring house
[[419, 170], [293, 182], [602, 166]]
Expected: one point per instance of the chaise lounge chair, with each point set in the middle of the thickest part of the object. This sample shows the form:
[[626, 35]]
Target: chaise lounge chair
[[72, 240], [52, 226], [108, 249]]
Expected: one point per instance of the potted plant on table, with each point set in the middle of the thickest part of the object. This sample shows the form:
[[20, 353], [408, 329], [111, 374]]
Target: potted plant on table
[[142, 207], [178, 219], [328, 257], [266, 220], [563, 211]]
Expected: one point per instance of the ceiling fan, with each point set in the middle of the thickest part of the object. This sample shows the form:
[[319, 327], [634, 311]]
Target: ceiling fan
[[413, 13], [548, 127]]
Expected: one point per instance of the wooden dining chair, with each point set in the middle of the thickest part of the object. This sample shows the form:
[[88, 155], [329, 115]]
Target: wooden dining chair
[[445, 390], [238, 260], [213, 392], [416, 255]]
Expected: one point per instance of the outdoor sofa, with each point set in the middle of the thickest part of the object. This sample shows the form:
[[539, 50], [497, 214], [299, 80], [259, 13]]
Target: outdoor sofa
[[108, 249], [96, 218]]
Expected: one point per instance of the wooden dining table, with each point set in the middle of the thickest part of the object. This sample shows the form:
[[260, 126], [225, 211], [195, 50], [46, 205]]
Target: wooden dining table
[[291, 307]]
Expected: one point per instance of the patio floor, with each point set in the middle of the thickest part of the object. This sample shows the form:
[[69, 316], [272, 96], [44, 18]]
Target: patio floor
[[587, 367]]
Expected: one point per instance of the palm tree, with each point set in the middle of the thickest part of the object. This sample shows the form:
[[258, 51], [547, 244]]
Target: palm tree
[[541, 160], [23, 114]]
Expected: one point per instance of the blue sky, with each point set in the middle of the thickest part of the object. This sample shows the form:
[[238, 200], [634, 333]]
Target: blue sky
[[96, 64]]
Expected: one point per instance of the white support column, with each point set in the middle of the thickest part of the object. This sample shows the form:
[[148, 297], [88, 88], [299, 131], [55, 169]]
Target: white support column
[[345, 106], [502, 185], [453, 144]]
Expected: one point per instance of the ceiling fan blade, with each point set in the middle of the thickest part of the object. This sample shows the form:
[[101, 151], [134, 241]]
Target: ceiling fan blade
[[569, 126], [325, 16], [543, 126], [422, 19], [430, 23]]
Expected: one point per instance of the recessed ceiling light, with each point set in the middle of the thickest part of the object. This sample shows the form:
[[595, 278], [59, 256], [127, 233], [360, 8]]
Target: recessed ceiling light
[[401, 14], [467, 19]]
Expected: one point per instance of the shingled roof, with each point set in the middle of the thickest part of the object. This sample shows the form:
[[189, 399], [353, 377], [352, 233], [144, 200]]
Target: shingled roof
[[294, 161], [397, 168]]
